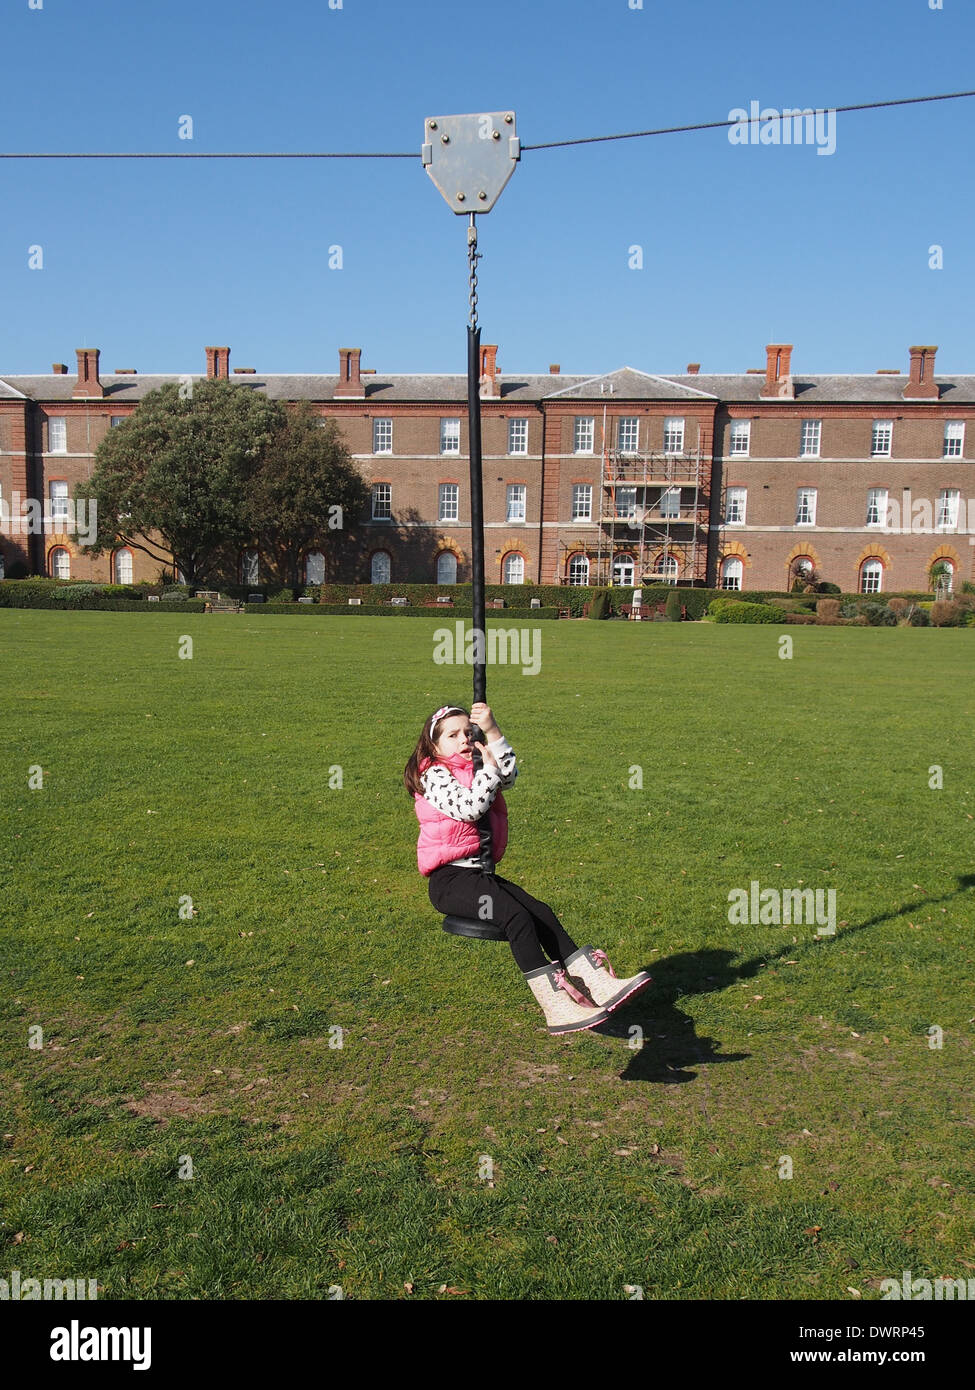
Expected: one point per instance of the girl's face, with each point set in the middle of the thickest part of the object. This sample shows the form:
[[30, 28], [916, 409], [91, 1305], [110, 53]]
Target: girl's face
[[454, 736]]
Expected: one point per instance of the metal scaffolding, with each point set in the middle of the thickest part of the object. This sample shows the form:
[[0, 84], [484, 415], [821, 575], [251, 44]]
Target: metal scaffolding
[[653, 507]]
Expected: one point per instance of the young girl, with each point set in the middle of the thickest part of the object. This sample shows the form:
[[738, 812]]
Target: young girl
[[576, 987]]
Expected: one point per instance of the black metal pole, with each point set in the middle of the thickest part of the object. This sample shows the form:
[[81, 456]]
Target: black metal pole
[[477, 510], [477, 564]]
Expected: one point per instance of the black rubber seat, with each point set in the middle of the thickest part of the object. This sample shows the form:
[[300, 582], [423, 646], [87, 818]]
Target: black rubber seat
[[474, 927]]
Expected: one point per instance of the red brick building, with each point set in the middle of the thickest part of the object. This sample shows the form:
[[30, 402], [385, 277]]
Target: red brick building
[[726, 480]]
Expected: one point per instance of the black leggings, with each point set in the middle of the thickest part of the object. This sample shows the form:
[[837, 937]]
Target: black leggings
[[531, 927]]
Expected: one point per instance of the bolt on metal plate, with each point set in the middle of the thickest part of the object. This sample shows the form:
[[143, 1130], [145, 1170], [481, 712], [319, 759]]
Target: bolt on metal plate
[[471, 158]]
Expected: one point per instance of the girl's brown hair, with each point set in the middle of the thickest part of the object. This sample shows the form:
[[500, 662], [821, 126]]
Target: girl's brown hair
[[426, 749]]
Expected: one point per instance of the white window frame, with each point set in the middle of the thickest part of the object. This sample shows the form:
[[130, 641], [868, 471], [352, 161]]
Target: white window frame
[[579, 570], [583, 429], [949, 499], [117, 420], [741, 430], [382, 434], [806, 502], [810, 439], [881, 439], [674, 434], [518, 435], [116, 568], [877, 501], [250, 567], [57, 434], [382, 501], [670, 503], [58, 493], [628, 434], [383, 561], [319, 559], [515, 502], [626, 501], [624, 571], [514, 569], [61, 557], [450, 434], [873, 569], [954, 442], [736, 500], [581, 502], [732, 568], [448, 502], [667, 569]]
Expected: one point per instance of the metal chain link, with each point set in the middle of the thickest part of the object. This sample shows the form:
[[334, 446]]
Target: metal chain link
[[473, 256]]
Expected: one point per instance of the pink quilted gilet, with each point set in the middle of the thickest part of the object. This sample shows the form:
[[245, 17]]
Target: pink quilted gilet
[[441, 837]]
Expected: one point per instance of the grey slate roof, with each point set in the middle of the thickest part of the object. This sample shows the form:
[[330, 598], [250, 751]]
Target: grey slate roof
[[630, 385]]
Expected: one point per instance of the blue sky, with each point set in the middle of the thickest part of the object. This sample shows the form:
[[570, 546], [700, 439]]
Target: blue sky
[[152, 260]]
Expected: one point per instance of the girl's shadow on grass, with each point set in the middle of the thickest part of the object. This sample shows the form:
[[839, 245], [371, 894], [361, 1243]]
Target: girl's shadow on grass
[[670, 1045]]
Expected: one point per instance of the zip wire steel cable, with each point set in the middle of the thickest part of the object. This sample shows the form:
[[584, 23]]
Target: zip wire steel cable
[[547, 145], [752, 120]]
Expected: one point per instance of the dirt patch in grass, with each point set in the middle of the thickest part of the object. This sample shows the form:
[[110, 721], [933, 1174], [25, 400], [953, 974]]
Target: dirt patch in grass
[[531, 1073], [164, 1105]]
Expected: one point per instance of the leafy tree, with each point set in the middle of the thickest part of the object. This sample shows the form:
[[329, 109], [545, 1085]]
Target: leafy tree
[[174, 480], [306, 493]]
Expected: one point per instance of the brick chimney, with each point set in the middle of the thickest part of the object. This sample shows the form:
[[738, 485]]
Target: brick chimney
[[218, 363], [88, 384], [693, 368], [555, 368], [489, 370], [922, 385], [59, 368], [350, 380], [778, 380]]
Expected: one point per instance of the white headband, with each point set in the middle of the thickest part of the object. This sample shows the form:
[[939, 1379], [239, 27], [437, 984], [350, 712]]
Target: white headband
[[444, 709]]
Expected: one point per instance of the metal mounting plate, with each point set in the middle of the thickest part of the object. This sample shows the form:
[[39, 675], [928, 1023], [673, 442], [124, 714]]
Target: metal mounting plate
[[471, 158]]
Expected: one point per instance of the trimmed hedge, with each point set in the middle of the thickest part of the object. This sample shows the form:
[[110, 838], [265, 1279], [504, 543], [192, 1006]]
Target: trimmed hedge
[[728, 610], [93, 604], [494, 616]]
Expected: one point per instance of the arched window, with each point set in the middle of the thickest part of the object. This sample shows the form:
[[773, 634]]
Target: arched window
[[314, 567], [579, 570], [666, 569], [871, 577], [446, 567], [249, 567], [943, 575], [60, 563], [382, 567], [123, 566], [731, 572], [623, 570], [801, 572], [514, 569]]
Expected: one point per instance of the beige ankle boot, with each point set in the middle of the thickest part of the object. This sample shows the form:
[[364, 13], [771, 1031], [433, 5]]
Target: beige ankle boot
[[566, 1008], [589, 969]]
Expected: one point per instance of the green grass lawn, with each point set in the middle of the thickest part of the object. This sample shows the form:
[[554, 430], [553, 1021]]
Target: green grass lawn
[[190, 1129]]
